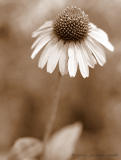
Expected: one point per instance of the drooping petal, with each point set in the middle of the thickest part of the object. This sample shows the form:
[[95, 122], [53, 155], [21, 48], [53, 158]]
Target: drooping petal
[[98, 31], [96, 50], [88, 55], [45, 55], [46, 25], [63, 60], [41, 36], [83, 66], [72, 62], [42, 32], [54, 57], [36, 42], [40, 45], [100, 36], [99, 47]]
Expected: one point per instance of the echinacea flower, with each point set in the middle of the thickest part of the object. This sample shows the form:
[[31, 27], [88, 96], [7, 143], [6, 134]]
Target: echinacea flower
[[72, 41]]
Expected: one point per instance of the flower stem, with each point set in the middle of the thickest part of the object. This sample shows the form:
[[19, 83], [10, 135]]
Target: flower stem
[[53, 114]]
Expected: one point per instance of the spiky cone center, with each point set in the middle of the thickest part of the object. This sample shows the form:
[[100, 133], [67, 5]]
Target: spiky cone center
[[71, 24]]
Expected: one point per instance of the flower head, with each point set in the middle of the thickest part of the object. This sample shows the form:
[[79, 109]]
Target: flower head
[[72, 41]]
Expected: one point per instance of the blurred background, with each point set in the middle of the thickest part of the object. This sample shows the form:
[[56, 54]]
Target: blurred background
[[26, 92]]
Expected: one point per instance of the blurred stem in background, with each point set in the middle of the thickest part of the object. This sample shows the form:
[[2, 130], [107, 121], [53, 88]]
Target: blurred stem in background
[[53, 114]]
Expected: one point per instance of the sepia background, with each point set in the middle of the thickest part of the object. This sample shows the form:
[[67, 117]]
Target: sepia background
[[26, 92]]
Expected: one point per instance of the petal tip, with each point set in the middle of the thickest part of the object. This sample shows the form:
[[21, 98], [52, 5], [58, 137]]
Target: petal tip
[[112, 49], [32, 56], [72, 76], [85, 76], [39, 66], [49, 70], [33, 35]]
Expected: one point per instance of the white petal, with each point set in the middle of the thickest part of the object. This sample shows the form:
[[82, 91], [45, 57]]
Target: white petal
[[72, 62], [54, 57], [99, 31], [36, 42], [96, 50], [88, 55], [46, 25], [40, 45], [93, 26], [41, 32], [83, 66], [63, 60], [99, 48], [100, 36], [45, 55]]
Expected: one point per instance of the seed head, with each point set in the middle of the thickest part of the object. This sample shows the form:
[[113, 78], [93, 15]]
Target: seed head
[[71, 24]]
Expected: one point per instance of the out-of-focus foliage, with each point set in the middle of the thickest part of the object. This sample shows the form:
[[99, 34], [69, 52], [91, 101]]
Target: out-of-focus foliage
[[26, 92], [31, 148], [62, 144], [25, 148]]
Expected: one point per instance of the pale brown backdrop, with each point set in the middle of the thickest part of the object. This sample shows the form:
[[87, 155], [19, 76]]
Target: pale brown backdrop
[[26, 92]]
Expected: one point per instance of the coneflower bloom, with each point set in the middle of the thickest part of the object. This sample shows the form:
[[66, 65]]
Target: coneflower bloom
[[72, 41]]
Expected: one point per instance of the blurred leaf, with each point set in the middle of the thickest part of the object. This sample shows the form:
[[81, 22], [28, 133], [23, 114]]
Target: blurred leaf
[[26, 148], [62, 144]]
